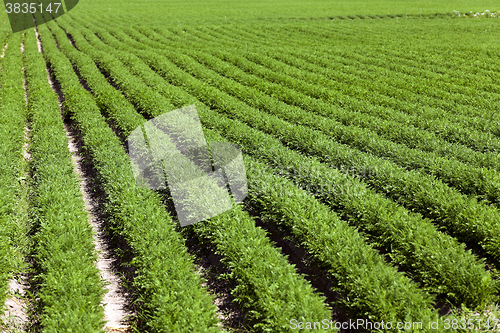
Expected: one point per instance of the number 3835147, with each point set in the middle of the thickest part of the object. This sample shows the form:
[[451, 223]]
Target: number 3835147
[[32, 8]]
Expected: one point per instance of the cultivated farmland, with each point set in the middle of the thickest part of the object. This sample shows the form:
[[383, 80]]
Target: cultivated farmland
[[370, 134]]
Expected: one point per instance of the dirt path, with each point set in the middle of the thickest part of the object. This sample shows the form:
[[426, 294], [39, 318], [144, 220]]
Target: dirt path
[[3, 51], [15, 317]]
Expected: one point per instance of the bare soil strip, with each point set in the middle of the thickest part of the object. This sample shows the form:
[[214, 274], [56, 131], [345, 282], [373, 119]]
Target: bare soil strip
[[115, 300], [3, 50], [16, 317]]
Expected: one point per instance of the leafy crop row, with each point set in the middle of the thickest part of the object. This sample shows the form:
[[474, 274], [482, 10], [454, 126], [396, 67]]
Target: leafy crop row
[[459, 133], [272, 295], [322, 66], [112, 102], [360, 297], [451, 84], [462, 216], [403, 132], [374, 288], [427, 109], [4, 39], [166, 285], [377, 84], [415, 77], [268, 286], [282, 130], [479, 182], [12, 124], [365, 208], [400, 132], [447, 68], [71, 286], [436, 120]]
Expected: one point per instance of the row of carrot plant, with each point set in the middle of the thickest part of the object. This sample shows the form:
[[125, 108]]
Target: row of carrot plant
[[373, 288], [4, 40], [236, 238], [338, 261], [462, 216], [400, 132], [434, 66], [12, 125], [481, 183], [422, 76], [174, 75], [71, 288], [435, 119], [171, 296], [341, 68], [399, 90], [337, 93]]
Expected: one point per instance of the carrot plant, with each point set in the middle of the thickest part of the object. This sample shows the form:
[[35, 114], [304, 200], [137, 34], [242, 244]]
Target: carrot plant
[[12, 123], [71, 288], [264, 146], [169, 292], [272, 296]]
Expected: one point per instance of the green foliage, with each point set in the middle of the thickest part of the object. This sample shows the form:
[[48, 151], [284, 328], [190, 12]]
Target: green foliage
[[71, 286], [12, 124], [403, 98], [165, 283], [200, 11], [266, 283], [221, 102], [482, 183], [442, 204], [264, 146], [338, 247]]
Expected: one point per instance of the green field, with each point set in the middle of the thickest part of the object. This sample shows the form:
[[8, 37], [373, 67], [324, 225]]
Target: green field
[[370, 132], [217, 12]]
